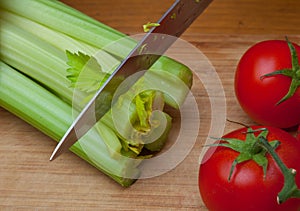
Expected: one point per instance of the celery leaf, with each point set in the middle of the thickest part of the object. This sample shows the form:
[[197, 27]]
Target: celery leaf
[[85, 73]]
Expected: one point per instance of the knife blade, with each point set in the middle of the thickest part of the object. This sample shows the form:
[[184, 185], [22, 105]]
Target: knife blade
[[173, 23]]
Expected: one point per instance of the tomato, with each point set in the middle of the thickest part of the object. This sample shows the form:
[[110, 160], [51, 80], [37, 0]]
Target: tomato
[[259, 96], [248, 189]]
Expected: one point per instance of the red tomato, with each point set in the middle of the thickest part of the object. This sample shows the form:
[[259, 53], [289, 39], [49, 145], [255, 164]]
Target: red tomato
[[259, 96], [247, 189], [298, 133]]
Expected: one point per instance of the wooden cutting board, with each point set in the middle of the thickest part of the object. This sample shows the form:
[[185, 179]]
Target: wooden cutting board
[[28, 181]]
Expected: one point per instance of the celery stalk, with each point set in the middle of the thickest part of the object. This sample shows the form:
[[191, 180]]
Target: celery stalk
[[34, 49], [58, 40], [61, 18], [44, 39], [27, 99], [52, 116], [65, 19], [20, 48]]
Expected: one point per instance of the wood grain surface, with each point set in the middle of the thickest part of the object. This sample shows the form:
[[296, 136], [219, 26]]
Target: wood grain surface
[[28, 181]]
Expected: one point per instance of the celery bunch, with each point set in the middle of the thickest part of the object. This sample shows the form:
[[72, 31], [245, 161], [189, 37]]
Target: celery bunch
[[50, 51]]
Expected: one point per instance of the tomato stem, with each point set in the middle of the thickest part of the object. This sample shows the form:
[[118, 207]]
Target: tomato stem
[[293, 73], [290, 188]]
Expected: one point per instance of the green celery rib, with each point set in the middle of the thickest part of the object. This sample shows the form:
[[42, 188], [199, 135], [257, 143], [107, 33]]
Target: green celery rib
[[59, 17], [67, 20], [52, 116], [112, 142], [172, 87], [40, 53], [22, 31], [178, 70], [35, 58], [58, 40], [28, 100]]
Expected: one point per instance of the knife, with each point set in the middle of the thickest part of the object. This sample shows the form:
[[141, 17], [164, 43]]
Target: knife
[[172, 24]]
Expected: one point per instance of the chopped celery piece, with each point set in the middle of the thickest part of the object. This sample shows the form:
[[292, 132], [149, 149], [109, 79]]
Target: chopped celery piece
[[149, 25]]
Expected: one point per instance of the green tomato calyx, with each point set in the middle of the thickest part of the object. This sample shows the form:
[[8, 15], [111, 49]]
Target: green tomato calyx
[[293, 73], [250, 149]]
